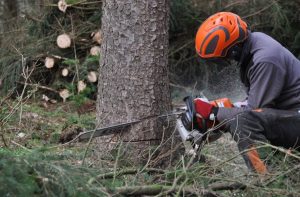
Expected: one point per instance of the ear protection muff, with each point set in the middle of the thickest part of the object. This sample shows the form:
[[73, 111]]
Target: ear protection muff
[[235, 52]]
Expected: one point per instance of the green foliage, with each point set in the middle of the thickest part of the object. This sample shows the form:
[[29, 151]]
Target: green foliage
[[91, 62], [71, 2], [17, 178], [71, 62], [39, 125], [39, 174], [83, 96], [58, 172], [83, 121]]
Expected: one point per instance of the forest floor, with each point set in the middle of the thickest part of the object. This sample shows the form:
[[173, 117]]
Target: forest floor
[[30, 133]]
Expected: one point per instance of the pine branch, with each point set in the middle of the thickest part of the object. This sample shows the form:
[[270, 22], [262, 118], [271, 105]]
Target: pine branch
[[187, 190], [259, 11], [110, 175], [157, 189], [39, 87], [227, 186]]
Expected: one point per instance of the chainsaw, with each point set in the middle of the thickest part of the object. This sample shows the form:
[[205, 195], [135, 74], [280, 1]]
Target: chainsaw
[[192, 136]]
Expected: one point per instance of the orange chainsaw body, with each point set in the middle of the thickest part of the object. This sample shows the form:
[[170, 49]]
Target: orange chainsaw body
[[222, 102]]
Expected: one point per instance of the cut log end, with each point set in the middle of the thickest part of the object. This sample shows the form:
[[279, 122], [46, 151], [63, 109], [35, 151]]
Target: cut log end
[[65, 72], [64, 94], [95, 50], [97, 37], [49, 62], [45, 98], [92, 77], [63, 41], [81, 86], [62, 5]]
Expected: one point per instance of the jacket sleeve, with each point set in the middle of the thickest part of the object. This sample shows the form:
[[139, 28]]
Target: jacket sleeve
[[266, 83]]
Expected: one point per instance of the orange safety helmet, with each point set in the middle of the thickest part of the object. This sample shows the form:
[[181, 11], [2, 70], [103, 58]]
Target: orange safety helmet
[[219, 33]]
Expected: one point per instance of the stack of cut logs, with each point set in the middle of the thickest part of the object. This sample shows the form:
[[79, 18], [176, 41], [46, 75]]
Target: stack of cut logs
[[66, 41]]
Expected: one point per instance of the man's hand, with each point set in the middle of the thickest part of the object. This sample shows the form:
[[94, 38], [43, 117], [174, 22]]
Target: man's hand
[[241, 103], [204, 109], [205, 113]]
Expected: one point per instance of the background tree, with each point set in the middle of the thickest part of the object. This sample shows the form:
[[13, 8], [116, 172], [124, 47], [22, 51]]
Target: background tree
[[133, 75], [8, 11]]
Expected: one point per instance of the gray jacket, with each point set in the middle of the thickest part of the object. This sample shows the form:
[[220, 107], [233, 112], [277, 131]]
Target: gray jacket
[[271, 75]]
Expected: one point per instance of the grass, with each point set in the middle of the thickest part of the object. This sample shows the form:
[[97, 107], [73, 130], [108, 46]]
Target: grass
[[42, 125], [36, 166]]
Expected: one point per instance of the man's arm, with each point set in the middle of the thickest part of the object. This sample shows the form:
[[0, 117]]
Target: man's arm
[[266, 83]]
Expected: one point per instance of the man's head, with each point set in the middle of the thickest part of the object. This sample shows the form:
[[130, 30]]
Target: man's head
[[220, 36]]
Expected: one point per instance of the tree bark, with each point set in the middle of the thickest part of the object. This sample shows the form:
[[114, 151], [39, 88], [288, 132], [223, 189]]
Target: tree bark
[[133, 79]]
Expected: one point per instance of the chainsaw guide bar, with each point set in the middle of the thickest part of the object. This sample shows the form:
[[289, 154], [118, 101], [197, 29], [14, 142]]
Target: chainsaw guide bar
[[117, 128]]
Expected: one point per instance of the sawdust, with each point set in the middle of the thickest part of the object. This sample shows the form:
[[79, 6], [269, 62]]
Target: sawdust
[[225, 83]]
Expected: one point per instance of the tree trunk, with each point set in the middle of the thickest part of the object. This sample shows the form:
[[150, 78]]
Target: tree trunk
[[133, 76]]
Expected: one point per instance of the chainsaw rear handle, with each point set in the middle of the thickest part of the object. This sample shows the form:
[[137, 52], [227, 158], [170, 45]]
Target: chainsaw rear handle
[[222, 102]]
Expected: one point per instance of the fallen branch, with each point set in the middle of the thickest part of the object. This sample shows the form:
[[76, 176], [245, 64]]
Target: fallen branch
[[281, 175], [110, 175], [227, 186], [39, 86], [280, 149], [5, 98], [180, 176], [4, 141], [129, 171], [157, 189], [259, 11], [23, 147]]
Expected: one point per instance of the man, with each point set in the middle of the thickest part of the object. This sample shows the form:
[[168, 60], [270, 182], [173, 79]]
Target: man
[[271, 75]]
